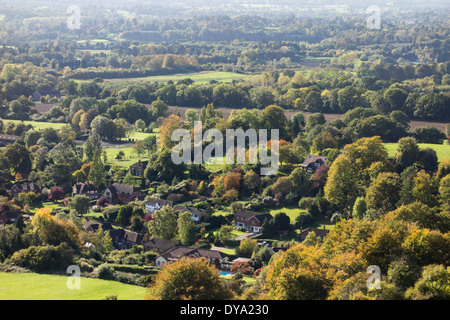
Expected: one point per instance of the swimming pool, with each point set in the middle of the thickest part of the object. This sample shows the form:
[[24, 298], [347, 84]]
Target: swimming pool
[[225, 274]]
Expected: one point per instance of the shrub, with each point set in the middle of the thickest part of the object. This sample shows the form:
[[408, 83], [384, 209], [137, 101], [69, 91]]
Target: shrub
[[40, 258], [104, 271]]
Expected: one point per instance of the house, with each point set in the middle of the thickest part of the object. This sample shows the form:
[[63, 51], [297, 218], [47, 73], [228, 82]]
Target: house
[[6, 139], [43, 93], [93, 226], [137, 169], [24, 188], [131, 238], [125, 239], [217, 258], [322, 233], [250, 221], [120, 193], [160, 245], [312, 163], [156, 204], [196, 214], [8, 217], [85, 189]]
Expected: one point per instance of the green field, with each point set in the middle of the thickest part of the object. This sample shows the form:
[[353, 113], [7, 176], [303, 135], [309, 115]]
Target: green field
[[442, 151], [199, 78], [37, 124], [32, 286]]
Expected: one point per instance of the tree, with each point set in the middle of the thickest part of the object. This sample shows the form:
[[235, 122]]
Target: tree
[[149, 144], [433, 285], [97, 171], [246, 248], [159, 109], [359, 208], [164, 224], [124, 215], [188, 279], [56, 193], [444, 189], [187, 230], [425, 189], [314, 120], [384, 193], [224, 233], [273, 117], [80, 203], [169, 125], [252, 181], [323, 140], [341, 188], [52, 231]]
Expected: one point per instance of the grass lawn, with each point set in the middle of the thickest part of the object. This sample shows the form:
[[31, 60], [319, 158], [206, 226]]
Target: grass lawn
[[291, 211], [49, 205], [442, 151], [130, 157], [33, 286]]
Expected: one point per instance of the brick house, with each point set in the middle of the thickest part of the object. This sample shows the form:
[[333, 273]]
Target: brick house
[[120, 193], [8, 217], [85, 189], [24, 188], [312, 163], [137, 169], [250, 221]]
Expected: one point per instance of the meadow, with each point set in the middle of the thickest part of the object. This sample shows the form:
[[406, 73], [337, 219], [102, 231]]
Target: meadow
[[33, 286], [442, 151]]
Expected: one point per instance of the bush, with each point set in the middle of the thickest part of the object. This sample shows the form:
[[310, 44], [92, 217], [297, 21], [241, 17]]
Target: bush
[[40, 258], [104, 271]]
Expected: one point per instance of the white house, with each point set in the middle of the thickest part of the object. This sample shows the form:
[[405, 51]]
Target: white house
[[156, 204]]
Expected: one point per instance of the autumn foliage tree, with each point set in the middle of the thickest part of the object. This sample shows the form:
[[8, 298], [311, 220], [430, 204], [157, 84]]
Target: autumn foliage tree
[[188, 279]]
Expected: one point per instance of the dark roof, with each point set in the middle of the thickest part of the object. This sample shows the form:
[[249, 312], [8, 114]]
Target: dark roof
[[214, 254], [161, 202], [47, 92], [116, 234], [95, 225], [177, 253], [319, 232], [133, 236], [191, 210], [27, 187], [9, 214], [161, 244], [139, 164], [248, 214], [311, 158], [84, 187], [122, 188]]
